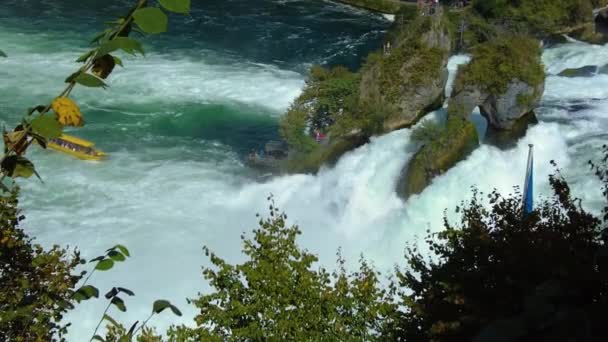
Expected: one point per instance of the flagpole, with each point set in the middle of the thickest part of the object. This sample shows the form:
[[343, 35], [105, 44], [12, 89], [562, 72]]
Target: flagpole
[[527, 198]]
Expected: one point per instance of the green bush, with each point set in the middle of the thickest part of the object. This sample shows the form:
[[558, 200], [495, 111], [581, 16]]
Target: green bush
[[328, 95], [36, 284], [496, 63], [278, 294], [501, 275], [491, 8], [427, 132]]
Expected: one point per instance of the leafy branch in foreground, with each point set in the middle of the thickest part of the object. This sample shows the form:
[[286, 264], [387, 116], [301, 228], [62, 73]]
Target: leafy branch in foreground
[[98, 64]]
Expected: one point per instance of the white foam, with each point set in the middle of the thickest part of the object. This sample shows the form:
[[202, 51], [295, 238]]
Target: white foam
[[152, 79]]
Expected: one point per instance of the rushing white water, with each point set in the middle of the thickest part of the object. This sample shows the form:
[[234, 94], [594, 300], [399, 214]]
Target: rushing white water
[[165, 210]]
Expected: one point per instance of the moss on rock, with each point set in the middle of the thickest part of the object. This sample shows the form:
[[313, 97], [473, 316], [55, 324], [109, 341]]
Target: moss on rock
[[495, 64], [312, 161], [454, 143]]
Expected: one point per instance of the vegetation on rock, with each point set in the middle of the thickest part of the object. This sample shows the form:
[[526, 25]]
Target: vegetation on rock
[[538, 16], [495, 64], [449, 145]]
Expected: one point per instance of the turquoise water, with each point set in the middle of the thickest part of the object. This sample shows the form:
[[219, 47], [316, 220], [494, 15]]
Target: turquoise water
[[178, 123]]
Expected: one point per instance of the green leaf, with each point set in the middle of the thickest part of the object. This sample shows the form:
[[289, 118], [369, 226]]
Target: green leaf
[[127, 291], [104, 265], [112, 293], [2, 54], [161, 304], [100, 35], [17, 166], [89, 80], [86, 292], [122, 249], [86, 56], [126, 44], [47, 126], [111, 320], [131, 330], [151, 20], [175, 310], [118, 61], [116, 256], [119, 303], [177, 6], [98, 338], [72, 77]]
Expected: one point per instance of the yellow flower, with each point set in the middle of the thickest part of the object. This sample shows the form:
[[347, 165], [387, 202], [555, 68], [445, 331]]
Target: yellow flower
[[67, 111]]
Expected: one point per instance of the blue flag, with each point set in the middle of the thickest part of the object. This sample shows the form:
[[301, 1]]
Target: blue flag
[[528, 193]]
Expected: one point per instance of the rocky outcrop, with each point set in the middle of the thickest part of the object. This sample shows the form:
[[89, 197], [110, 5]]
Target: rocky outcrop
[[505, 79], [503, 111], [410, 79]]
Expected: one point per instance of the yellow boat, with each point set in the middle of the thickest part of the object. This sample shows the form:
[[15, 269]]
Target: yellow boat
[[75, 147]]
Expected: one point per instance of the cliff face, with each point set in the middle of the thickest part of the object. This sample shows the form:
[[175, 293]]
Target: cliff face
[[410, 79]]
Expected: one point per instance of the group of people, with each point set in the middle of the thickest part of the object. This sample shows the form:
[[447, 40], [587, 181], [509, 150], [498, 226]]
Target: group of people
[[319, 136], [73, 147]]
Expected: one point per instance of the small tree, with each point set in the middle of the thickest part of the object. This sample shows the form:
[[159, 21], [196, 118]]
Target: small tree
[[277, 295]]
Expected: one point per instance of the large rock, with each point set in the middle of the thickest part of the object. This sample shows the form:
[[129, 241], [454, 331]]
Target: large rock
[[505, 79], [410, 79], [503, 111]]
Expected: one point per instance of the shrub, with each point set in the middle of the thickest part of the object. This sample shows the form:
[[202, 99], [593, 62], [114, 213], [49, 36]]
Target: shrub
[[508, 58], [427, 132], [278, 294], [502, 275], [36, 284]]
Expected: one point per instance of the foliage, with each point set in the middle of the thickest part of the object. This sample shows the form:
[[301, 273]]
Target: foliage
[[499, 274], [328, 94], [491, 8], [36, 285], [277, 294], [509, 58], [427, 132], [476, 29], [542, 16]]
